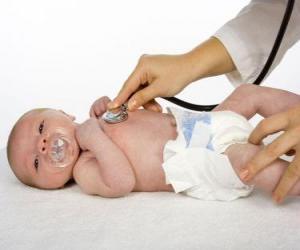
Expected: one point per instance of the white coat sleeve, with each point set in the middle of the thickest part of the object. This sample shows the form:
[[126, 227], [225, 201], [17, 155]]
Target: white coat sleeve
[[250, 36]]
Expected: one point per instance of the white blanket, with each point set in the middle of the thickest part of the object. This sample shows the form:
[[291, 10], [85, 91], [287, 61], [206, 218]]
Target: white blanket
[[68, 219]]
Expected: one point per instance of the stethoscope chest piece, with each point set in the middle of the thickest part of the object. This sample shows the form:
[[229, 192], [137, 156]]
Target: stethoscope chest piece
[[120, 116]]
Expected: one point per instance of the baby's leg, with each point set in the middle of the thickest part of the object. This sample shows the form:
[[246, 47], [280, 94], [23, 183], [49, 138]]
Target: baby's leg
[[267, 179], [249, 99]]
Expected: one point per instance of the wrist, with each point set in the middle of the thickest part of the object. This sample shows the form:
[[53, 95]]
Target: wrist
[[192, 64], [210, 58]]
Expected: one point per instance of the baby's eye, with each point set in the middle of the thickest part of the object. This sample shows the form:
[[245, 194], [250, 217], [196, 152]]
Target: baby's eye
[[41, 127], [36, 163]]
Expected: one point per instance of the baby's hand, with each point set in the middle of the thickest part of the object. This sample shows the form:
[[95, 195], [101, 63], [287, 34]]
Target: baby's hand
[[99, 107], [85, 132]]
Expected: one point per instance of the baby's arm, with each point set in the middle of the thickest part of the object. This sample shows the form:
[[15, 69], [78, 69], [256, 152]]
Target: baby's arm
[[249, 99], [108, 172]]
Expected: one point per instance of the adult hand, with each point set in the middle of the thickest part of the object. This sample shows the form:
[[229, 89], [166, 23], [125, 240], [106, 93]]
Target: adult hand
[[154, 75], [167, 75], [288, 142]]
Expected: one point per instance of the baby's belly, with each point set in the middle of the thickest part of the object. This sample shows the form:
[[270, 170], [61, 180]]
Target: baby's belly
[[142, 138], [148, 170]]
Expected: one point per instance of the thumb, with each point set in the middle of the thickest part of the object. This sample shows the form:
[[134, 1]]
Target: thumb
[[143, 96]]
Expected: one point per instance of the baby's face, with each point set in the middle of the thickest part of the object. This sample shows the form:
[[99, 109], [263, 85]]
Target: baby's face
[[44, 148]]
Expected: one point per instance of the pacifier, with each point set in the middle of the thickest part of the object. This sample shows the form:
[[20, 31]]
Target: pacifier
[[59, 153], [120, 116]]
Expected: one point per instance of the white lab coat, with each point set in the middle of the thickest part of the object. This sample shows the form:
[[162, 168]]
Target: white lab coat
[[250, 36]]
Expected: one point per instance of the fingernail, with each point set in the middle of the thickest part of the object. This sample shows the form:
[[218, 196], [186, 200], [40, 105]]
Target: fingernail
[[244, 175], [276, 198], [132, 105]]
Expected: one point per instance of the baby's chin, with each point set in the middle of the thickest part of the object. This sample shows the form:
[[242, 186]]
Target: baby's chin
[[54, 184], [57, 179]]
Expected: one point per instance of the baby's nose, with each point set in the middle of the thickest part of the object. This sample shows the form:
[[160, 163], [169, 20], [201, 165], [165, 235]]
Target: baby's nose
[[43, 145]]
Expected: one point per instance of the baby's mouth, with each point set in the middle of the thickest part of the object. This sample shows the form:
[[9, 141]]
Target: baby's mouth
[[60, 151]]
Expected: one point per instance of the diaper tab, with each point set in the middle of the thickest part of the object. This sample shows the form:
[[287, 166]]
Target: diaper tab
[[195, 126]]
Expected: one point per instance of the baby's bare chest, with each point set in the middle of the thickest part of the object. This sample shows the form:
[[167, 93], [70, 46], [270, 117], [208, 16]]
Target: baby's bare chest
[[143, 134], [142, 138]]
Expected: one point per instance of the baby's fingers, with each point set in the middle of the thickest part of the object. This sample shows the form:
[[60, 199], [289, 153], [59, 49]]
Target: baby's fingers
[[96, 110], [92, 112], [99, 106]]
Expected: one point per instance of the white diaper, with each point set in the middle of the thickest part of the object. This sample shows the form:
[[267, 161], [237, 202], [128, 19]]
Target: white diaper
[[194, 164]]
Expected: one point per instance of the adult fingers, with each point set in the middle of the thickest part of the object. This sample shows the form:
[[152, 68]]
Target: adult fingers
[[153, 106], [129, 87], [268, 126], [288, 180], [270, 153], [143, 96]]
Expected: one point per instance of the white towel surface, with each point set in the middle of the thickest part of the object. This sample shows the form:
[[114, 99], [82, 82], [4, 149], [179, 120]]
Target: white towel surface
[[68, 219]]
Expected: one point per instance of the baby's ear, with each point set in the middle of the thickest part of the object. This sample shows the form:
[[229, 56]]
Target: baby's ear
[[69, 116]]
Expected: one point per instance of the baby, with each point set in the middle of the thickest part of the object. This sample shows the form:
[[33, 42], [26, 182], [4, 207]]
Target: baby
[[199, 154]]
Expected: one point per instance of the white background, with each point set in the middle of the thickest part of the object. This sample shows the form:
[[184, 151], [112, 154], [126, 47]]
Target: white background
[[66, 53]]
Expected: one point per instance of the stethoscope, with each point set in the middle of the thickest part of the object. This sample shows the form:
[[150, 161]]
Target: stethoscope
[[122, 115]]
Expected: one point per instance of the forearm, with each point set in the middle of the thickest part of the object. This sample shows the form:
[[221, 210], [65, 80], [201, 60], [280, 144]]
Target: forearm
[[114, 166], [210, 58]]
